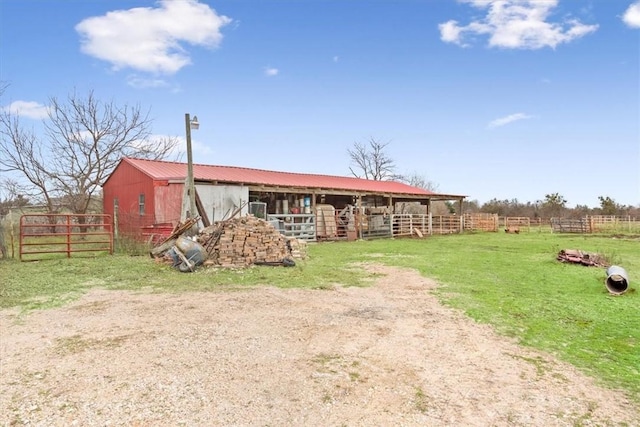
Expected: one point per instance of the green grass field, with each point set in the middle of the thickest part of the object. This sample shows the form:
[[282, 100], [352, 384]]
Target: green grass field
[[512, 282]]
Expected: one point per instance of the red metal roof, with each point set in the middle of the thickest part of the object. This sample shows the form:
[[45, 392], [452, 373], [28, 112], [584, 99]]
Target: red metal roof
[[163, 170]]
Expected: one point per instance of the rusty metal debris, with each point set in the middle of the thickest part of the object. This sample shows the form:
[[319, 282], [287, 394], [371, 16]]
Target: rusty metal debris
[[170, 240], [187, 254], [576, 256]]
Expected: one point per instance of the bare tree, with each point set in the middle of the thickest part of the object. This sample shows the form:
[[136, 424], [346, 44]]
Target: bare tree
[[3, 246], [85, 140], [22, 152], [370, 161], [414, 179], [12, 195]]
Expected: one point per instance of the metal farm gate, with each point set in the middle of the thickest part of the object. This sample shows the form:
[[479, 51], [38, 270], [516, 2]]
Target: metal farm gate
[[42, 234]]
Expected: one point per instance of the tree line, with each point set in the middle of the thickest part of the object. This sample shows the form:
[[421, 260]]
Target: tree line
[[549, 207], [370, 161]]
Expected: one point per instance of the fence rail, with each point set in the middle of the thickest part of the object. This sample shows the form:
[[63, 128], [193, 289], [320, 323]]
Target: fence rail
[[42, 234], [612, 223], [312, 227], [518, 223], [410, 225], [300, 226], [480, 222], [567, 225], [445, 224]]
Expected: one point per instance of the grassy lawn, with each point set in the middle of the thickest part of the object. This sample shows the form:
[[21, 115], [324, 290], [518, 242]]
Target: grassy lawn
[[510, 281]]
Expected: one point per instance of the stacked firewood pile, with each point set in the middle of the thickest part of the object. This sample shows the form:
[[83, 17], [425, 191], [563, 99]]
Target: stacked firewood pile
[[248, 240]]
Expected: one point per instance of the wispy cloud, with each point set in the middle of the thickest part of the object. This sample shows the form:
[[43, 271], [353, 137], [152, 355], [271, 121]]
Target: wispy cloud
[[180, 148], [632, 15], [508, 119], [139, 82], [151, 39], [30, 109], [336, 58], [270, 71], [515, 24]]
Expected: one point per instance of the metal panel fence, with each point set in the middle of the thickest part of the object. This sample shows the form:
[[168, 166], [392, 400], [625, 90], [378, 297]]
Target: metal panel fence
[[614, 224], [519, 223], [42, 234], [375, 226], [446, 224], [480, 222], [334, 227], [568, 225], [300, 226], [409, 225]]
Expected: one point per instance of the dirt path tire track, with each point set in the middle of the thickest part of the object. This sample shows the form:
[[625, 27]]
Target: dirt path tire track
[[389, 355]]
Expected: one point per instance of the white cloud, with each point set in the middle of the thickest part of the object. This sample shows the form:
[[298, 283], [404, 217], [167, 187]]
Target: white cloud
[[450, 32], [151, 39], [508, 119], [516, 24], [30, 109], [201, 148], [632, 16], [336, 58], [270, 71], [139, 82], [197, 146]]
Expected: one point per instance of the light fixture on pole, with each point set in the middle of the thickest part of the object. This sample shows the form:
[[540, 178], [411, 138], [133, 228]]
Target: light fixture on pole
[[191, 188]]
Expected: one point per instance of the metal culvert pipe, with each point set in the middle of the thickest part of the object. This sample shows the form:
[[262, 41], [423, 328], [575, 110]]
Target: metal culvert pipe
[[617, 280]]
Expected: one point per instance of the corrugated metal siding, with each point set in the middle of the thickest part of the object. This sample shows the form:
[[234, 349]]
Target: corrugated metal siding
[[221, 200], [161, 170], [168, 202]]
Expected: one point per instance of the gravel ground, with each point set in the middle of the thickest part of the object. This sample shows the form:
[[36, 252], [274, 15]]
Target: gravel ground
[[386, 355]]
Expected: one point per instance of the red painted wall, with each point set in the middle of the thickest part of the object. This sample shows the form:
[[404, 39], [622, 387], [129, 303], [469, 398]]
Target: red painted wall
[[127, 183], [168, 201]]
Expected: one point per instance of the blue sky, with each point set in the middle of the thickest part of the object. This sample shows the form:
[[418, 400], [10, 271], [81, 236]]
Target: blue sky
[[510, 99]]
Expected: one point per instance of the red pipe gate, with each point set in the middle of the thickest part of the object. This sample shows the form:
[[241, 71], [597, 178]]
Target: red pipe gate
[[64, 234]]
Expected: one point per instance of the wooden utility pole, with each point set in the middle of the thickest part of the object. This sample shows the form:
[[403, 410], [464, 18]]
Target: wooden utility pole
[[191, 188]]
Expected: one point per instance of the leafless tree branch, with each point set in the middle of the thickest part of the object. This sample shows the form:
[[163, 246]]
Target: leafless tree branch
[[85, 140], [370, 161]]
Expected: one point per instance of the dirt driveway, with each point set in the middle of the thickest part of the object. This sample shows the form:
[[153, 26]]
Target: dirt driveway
[[387, 355]]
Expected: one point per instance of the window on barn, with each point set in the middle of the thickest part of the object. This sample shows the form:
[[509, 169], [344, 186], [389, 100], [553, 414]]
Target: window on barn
[[141, 204]]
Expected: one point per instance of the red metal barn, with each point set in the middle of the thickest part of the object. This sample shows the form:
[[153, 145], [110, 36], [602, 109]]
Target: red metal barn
[[148, 197], [141, 196]]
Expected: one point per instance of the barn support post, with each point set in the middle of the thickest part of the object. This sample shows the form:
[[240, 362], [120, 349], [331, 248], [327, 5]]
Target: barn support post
[[390, 207], [461, 215], [430, 225], [359, 215]]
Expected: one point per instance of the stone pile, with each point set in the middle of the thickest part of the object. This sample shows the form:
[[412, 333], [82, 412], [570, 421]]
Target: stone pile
[[240, 242]]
